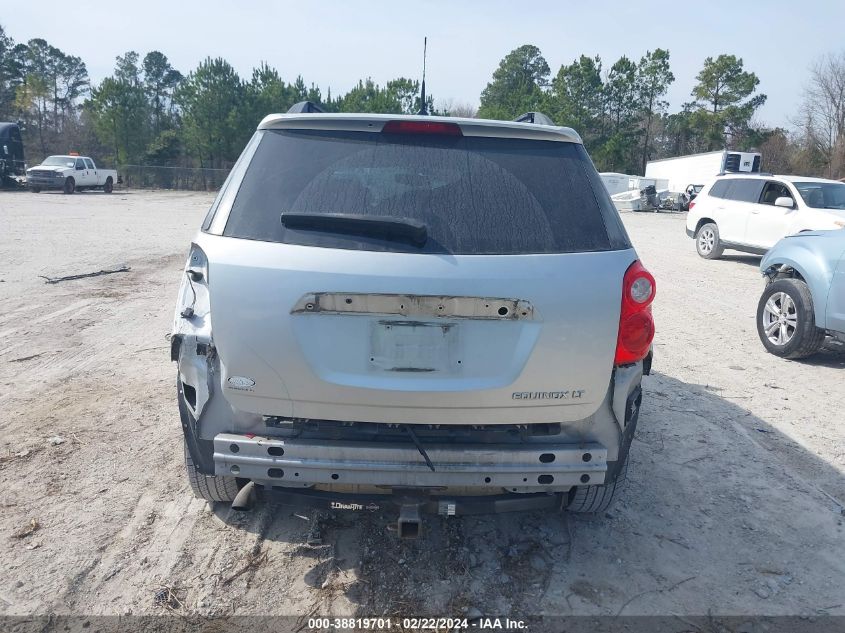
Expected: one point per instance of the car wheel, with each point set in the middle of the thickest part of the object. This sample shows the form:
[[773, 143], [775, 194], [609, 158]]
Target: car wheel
[[214, 489], [786, 320], [707, 241], [594, 499], [70, 186], [35, 189], [109, 186]]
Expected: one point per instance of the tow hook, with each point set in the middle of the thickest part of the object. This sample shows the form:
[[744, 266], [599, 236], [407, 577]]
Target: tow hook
[[409, 524], [245, 499]]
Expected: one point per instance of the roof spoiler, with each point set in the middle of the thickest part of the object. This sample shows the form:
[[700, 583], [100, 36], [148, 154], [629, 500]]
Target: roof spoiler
[[305, 107], [534, 117]]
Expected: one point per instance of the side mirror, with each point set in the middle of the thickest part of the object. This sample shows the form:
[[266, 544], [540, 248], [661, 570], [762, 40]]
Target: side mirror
[[786, 202]]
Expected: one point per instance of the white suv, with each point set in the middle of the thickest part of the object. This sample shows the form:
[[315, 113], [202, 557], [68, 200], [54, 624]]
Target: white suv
[[436, 314], [751, 213]]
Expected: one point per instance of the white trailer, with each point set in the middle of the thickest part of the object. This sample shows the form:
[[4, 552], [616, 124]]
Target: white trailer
[[620, 183], [698, 169]]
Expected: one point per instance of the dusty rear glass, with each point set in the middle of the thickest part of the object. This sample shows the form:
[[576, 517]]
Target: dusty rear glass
[[475, 195]]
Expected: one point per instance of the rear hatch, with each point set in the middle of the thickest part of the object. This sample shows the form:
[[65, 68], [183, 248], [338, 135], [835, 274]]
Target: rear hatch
[[452, 279]]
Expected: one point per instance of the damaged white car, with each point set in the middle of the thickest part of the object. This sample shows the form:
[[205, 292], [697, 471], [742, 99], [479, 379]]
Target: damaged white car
[[420, 313]]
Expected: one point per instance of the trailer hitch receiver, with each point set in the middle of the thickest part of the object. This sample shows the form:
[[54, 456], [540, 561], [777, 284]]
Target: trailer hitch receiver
[[409, 523]]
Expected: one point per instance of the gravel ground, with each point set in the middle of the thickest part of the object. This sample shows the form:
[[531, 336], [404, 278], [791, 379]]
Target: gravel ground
[[733, 505]]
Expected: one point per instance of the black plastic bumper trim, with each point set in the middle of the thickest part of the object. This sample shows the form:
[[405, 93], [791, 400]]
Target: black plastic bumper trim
[[428, 504]]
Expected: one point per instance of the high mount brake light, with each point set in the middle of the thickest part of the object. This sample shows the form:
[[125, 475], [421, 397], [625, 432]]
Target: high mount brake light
[[636, 324], [422, 127]]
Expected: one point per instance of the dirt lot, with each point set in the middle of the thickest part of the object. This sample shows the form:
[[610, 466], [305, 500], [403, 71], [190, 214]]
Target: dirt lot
[[734, 502]]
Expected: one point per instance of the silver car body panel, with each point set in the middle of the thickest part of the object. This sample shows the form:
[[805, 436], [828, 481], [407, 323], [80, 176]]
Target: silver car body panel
[[200, 370], [323, 366]]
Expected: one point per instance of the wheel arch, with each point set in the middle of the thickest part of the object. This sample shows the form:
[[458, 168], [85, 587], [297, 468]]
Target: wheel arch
[[784, 271], [701, 222], [809, 270]]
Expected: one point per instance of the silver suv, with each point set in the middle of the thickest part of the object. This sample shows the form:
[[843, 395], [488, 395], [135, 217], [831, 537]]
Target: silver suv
[[434, 314]]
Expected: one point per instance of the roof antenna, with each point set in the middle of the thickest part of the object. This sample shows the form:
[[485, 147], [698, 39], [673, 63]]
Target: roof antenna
[[423, 106]]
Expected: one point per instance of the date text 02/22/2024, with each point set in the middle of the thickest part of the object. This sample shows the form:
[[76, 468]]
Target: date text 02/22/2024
[[416, 624]]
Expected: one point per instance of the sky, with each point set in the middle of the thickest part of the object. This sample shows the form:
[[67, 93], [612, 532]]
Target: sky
[[333, 43]]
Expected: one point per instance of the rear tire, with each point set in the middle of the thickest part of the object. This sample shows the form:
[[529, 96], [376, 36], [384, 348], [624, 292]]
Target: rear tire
[[35, 189], [795, 335], [594, 499], [70, 186], [109, 186], [214, 489], [707, 241]]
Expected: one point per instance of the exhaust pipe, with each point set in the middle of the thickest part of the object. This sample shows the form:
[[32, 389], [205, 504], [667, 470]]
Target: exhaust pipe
[[245, 499], [409, 524]]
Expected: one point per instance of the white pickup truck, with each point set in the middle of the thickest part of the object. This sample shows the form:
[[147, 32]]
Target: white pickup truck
[[70, 173]]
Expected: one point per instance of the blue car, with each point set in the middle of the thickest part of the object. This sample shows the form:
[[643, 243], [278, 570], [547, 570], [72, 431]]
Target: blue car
[[804, 299]]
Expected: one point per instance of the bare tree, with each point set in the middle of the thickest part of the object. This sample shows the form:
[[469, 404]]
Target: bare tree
[[459, 109], [823, 112], [778, 151]]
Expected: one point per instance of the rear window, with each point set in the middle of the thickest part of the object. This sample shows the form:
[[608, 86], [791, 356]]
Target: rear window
[[475, 195]]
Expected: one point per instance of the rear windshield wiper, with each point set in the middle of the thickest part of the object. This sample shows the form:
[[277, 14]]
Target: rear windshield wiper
[[382, 226]]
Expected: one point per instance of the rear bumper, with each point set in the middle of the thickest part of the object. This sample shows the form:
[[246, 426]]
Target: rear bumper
[[302, 463], [690, 232]]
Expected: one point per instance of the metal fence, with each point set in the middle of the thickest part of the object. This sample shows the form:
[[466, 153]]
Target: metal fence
[[159, 177]]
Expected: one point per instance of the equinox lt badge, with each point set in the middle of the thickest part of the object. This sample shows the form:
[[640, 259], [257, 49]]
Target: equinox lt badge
[[548, 395]]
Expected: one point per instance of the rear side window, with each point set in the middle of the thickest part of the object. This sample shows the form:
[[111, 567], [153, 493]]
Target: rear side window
[[745, 190], [475, 195], [719, 189], [739, 189]]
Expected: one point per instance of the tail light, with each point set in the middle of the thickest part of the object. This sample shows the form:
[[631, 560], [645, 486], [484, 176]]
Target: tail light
[[691, 204], [636, 324]]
